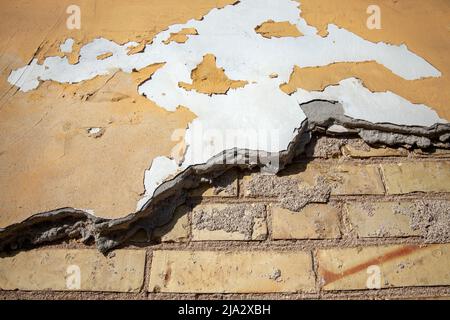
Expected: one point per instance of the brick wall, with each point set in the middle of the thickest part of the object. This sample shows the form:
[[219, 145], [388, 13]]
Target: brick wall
[[343, 221]]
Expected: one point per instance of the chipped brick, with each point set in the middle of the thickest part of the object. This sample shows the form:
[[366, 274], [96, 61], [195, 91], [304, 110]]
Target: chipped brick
[[401, 178], [380, 219], [315, 221], [314, 182], [229, 222]]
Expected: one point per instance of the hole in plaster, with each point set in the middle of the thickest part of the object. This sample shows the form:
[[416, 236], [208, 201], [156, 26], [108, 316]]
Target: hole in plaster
[[95, 132]]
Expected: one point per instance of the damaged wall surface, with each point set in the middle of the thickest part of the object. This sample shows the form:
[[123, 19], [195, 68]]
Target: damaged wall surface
[[108, 124]]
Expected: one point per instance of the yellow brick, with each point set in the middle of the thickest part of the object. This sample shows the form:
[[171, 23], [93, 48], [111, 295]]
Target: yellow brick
[[437, 153], [350, 178], [58, 270], [381, 219], [398, 266], [231, 272], [225, 186], [353, 152], [344, 179], [259, 229], [315, 221], [259, 233], [178, 228], [229, 222], [208, 191], [216, 235], [409, 177]]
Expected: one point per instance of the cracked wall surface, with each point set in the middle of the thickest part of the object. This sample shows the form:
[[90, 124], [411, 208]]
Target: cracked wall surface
[[73, 150], [235, 237], [110, 122]]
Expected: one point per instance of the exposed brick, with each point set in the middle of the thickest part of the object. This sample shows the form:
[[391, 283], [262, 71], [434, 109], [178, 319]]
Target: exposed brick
[[399, 266], [381, 219], [225, 186], [343, 179], [315, 221], [231, 272], [178, 228], [229, 222], [437, 153], [401, 178], [352, 151], [324, 147], [428, 298], [430, 217], [55, 269]]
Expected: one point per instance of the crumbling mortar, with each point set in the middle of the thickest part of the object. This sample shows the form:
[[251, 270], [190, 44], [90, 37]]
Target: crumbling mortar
[[109, 234], [388, 293], [147, 270], [239, 218], [383, 179], [269, 219], [287, 191], [287, 245], [315, 269]]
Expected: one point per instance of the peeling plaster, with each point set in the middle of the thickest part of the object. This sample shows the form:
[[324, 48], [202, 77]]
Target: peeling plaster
[[160, 170], [66, 47], [403, 22], [376, 107], [374, 77], [276, 122]]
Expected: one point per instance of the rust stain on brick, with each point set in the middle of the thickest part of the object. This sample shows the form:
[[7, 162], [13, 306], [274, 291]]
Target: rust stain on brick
[[330, 277]]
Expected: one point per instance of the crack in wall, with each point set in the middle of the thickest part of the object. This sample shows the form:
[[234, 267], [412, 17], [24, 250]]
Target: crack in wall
[[61, 224], [322, 116]]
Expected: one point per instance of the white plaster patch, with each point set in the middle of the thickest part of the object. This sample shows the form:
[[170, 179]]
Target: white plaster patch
[[258, 116], [26, 77], [66, 47], [160, 170], [379, 107]]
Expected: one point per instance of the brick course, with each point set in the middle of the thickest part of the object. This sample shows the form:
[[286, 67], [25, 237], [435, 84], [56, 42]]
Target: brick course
[[398, 266], [231, 272], [61, 270], [325, 227]]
